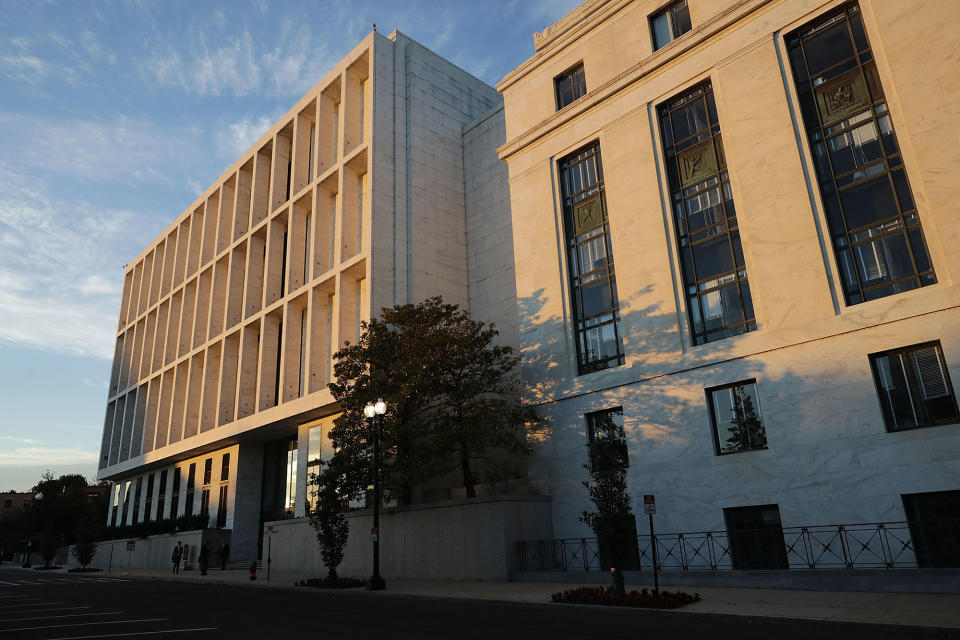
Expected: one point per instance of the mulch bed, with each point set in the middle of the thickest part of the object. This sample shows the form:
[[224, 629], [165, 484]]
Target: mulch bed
[[642, 598], [50, 568], [83, 570], [326, 583]]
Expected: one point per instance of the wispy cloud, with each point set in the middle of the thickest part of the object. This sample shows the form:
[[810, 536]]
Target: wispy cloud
[[236, 137], [49, 456], [51, 56]]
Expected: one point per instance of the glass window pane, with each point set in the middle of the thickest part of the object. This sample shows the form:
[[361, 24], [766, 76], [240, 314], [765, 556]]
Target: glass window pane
[[689, 119], [828, 48], [914, 387], [681, 18], [661, 30], [868, 202], [712, 257], [736, 418], [855, 148], [595, 298]]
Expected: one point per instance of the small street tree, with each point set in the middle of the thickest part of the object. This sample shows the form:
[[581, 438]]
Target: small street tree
[[612, 520], [85, 547], [450, 390], [327, 518]]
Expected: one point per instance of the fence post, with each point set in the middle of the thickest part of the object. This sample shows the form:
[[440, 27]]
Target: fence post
[[842, 534]]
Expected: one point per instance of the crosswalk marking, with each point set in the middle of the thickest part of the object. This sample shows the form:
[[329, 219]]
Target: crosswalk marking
[[84, 624], [138, 633], [69, 615]]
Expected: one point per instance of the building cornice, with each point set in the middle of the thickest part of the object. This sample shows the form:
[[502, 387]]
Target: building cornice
[[652, 63]]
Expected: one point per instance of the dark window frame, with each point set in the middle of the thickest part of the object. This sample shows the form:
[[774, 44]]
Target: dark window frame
[[844, 104], [889, 418], [676, 30], [578, 85], [620, 440], [587, 162], [714, 427], [698, 176]]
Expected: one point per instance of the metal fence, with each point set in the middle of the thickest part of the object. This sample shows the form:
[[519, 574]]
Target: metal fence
[[842, 546]]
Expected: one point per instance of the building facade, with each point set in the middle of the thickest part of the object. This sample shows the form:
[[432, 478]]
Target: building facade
[[719, 232], [366, 194], [739, 224]]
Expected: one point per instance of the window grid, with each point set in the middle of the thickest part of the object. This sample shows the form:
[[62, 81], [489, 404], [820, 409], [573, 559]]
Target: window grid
[[878, 242], [914, 388], [570, 86], [742, 426], [669, 24], [719, 302], [593, 289]]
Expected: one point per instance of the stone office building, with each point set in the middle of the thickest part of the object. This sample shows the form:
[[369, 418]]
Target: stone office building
[[742, 220], [721, 232], [377, 188]]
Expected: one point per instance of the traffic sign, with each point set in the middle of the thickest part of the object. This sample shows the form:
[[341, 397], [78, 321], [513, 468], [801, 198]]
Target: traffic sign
[[649, 504], [131, 545]]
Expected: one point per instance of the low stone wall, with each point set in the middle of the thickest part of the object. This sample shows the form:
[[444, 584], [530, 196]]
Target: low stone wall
[[468, 539], [153, 552]]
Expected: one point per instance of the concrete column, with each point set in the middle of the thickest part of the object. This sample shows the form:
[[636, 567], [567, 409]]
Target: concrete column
[[246, 502]]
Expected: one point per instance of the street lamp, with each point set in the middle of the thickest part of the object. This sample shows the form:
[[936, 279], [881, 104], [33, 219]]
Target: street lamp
[[374, 413], [26, 565]]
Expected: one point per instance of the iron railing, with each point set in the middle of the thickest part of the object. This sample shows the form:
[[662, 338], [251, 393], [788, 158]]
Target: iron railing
[[874, 545]]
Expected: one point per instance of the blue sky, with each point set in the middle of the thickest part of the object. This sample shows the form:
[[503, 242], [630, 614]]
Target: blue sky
[[114, 116]]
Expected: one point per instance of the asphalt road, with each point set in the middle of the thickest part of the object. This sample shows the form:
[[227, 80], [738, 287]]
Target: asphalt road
[[75, 606]]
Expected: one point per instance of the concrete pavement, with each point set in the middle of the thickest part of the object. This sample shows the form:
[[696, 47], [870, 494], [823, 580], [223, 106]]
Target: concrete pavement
[[910, 609]]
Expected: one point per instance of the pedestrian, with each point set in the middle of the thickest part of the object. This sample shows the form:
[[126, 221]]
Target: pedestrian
[[224, 553], [203, 559], [177, 554]]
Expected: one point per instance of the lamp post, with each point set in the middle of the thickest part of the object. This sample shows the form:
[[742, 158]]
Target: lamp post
[[26, 565], [374, 413]]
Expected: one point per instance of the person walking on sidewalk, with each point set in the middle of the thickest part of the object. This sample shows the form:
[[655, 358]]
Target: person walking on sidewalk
[[203, 559], [177, 554]]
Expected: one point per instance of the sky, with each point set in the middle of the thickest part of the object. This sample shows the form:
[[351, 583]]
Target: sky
[[114, 117]]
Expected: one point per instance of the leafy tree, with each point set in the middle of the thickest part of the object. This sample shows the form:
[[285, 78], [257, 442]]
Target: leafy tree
[[49, 539], [85, 547], [326, 516], [612, 513], [450, 390]]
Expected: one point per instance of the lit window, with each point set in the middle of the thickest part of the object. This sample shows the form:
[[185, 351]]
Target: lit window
[[718, 296], [874, 227], [735, 415], [569, 86], [914, 387], [670, 23], [593, 285]]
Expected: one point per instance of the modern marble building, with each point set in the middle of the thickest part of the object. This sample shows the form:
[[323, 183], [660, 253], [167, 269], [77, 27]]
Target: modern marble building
[[375, 189], [739, 237], [725, 243]]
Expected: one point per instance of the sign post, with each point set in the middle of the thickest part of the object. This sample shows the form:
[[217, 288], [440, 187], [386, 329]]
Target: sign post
[[650, 508], [131, 545]]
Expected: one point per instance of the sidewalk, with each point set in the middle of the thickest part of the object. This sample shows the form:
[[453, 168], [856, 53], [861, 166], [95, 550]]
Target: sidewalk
[[925, 610]]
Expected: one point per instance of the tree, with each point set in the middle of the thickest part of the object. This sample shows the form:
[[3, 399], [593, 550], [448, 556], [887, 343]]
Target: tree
[[451, 393], [85, 547], [326, 516], [612, 520]]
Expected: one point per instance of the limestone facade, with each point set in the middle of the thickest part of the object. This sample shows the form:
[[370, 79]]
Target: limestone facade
[[829, 456]]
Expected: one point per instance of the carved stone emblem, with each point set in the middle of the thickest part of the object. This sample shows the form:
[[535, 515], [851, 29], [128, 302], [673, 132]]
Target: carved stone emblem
[[842, 97], [587, 214], [697, 163]]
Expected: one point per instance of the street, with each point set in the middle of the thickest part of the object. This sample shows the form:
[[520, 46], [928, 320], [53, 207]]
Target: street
[[68, 606]]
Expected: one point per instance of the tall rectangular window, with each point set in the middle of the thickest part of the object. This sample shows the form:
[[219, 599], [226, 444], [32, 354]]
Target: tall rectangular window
[[207, 470], [175, 493], [191, 485], [914, 387], [126, 503], [225, 467], [148, 503], [222, 507], [670, 23], [314, 450], [715, 283], [736, 418], [607, 440], [290, 488], [161, 494], [871, 215], [570, 86], [593, 286]]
